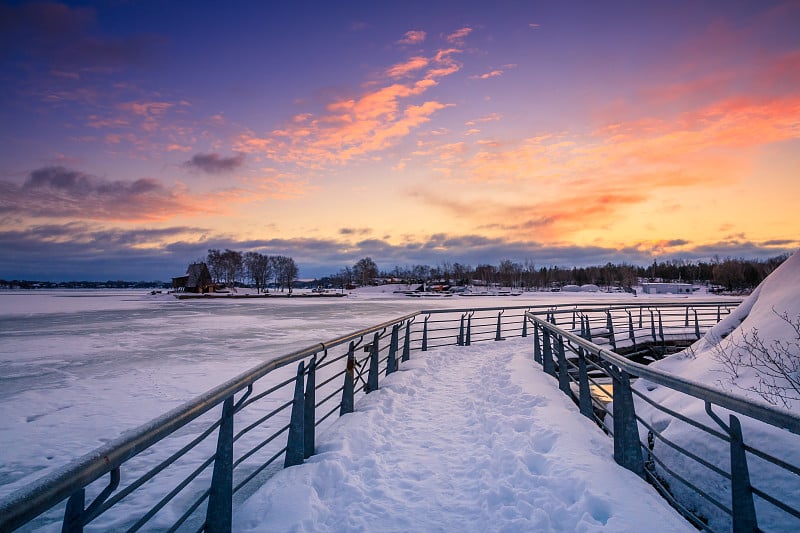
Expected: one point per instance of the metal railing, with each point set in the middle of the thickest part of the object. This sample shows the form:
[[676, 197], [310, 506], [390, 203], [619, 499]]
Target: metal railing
[[186, 458], [712, 496]]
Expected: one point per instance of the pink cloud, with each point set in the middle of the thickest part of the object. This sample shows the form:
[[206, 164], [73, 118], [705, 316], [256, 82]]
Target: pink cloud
[[146, 108], [491, 117], [413, 37], [458, 36], [491, 74]]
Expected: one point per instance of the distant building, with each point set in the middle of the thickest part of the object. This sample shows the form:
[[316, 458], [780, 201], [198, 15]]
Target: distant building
[[197, 279], [667, 288]]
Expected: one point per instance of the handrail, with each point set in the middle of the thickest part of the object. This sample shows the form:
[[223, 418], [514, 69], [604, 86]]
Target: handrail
[[772, 415], [21, 506], [609, 367], [594, 306], [30, 501]]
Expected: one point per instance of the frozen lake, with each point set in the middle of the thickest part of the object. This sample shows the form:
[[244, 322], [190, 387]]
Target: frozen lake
[[77, 368]]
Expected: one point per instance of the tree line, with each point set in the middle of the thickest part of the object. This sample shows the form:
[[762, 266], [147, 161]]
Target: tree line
[[729, 273], [230, 267]]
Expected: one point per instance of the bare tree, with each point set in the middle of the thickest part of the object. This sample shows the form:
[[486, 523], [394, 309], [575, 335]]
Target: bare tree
[[775, 364], [215, 266], [285, 271], [259, 269], [365, 270], [232, 267]]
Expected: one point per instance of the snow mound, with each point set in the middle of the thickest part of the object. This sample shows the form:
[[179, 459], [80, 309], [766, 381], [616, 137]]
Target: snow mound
[[768, 313]]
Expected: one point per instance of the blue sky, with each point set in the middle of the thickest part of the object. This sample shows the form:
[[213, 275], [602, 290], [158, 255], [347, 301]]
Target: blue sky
[[136, 135]]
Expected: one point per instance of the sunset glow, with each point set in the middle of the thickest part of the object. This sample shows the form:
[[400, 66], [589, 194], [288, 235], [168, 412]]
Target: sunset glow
[[136, 135]]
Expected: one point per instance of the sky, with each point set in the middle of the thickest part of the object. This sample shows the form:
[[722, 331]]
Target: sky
[[136, 135]]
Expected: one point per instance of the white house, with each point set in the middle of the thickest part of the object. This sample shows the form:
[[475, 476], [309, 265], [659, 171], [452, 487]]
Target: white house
[[667, 288]]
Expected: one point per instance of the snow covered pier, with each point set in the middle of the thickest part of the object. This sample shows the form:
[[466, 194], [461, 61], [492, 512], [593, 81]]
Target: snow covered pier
[[468, 435]]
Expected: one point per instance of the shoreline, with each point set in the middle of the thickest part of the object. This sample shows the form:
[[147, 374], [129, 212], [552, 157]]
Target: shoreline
[[210, 296]]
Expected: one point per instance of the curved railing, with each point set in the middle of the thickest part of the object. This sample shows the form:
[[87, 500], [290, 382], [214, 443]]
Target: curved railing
[[712, 496], [174, 464]]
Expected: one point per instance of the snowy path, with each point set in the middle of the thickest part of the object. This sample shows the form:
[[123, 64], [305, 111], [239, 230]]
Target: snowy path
[[469, 439]]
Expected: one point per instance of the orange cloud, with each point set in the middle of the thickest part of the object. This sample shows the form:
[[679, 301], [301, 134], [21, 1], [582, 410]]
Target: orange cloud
[[351, 128], [574, 182], [404, 69]]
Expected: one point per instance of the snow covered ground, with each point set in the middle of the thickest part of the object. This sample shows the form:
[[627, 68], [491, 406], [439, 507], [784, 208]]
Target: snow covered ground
[[461, 439], [78, 368]]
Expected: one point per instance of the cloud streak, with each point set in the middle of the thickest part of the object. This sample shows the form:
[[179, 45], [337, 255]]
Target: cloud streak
[[214, 163]]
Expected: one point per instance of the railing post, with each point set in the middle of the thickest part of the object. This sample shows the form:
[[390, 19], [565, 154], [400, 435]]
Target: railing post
[[653, 326], [425, 334], [588, 329], [631, 333], [640, 317], [525, 324], [744, 512], [295, 448], [686, 319], [696, 325], [73, 514], [391, 362], [610, 327], [460, 341], [585, 396], [469, 329], [372, 378], [573, 318], [309, 418], [547, 362], [660, 326], [219, 514], [627, 451], [348, 392], [407, 343], [563, 371], [537, 347], [497, 335]]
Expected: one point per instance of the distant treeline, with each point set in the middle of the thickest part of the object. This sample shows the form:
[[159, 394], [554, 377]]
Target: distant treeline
[[119, 284], [730, 274], [258, 270]]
